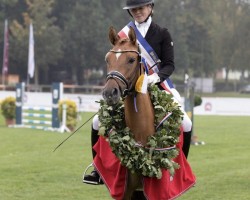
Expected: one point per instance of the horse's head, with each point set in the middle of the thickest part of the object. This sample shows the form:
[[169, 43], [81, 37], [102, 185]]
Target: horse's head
[[123, 64]]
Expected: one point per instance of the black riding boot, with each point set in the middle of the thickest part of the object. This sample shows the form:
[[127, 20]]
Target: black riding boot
[[94, 139], [94, 177], [186, 142]]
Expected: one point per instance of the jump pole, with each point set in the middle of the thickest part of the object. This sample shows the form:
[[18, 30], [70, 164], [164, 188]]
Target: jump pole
[[57, 93]]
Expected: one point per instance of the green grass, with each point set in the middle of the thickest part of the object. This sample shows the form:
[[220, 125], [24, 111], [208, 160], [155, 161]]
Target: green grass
[[29, 169]]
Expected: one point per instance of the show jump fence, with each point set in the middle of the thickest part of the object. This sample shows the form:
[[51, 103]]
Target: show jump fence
[[45, 118], [37, 117]]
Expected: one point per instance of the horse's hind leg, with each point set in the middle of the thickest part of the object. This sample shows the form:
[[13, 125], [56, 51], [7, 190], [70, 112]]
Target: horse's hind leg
[[138, 195]]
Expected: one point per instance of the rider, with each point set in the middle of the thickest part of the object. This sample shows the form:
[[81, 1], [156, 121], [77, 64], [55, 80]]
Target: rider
[[160, 40]]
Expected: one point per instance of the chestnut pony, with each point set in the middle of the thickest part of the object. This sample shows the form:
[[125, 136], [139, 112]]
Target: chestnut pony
[[123, 70]]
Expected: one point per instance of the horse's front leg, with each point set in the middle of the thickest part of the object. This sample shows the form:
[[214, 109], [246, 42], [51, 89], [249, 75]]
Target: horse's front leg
[[134, 181]]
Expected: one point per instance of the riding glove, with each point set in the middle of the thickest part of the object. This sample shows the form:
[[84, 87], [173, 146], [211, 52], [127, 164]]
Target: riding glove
[[153, 78]]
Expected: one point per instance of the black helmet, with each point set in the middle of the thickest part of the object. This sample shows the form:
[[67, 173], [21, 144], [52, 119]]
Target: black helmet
[[137, 3]]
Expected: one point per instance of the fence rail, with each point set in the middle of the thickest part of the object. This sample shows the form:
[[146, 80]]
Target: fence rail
[[86, 89]]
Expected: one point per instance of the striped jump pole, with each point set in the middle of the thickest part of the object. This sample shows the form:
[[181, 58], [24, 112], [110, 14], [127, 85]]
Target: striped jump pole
[[37, 117]]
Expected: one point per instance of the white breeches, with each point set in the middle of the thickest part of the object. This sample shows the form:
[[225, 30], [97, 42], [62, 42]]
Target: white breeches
[[96, 122], [186, 122]]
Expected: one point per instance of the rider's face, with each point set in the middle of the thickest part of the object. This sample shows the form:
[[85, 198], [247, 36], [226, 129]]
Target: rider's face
[[140, 14]]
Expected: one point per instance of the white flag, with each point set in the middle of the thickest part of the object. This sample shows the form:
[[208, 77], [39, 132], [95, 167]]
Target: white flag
[[31, 59]]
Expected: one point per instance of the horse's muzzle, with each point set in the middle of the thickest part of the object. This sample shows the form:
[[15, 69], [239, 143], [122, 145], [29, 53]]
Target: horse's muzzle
[[111, 95]]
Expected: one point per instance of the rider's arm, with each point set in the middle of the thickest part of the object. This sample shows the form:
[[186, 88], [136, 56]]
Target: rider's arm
[[167, 56], [160, 40]]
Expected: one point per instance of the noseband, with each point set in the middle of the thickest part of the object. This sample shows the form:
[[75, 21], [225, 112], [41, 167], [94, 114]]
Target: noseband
[[118, 75]]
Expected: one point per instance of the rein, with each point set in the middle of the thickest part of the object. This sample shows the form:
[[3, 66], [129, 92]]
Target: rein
[[118, 75]]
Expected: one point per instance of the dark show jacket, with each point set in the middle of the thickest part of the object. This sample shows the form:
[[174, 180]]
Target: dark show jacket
[[160, 40]]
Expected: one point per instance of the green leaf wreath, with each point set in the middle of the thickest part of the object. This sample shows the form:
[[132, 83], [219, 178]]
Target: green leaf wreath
[[160, 150]]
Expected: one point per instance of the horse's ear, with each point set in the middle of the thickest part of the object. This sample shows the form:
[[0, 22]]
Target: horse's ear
[[132, 35], [113, 36]]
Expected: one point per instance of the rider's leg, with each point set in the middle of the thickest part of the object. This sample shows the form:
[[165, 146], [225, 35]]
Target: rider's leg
[[94, 177], [94, 133], [187, 133], [186, 123]]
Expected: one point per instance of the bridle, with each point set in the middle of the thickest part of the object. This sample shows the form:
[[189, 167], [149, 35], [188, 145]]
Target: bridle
[[116, 75]]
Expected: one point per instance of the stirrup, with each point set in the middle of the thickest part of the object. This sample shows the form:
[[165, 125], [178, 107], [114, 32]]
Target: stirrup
[[92, 182], [91, 165]]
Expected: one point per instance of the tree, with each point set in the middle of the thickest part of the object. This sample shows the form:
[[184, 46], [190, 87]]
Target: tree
[[241, 59], [189, 22], [231, 36], [6, 6], [84, 36], [72, 35], [47, 38]]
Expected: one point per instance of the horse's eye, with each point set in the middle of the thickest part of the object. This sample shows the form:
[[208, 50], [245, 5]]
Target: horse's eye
[[131, 60]]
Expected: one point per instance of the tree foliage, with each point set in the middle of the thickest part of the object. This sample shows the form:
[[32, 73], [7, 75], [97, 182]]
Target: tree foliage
[[71, 35]]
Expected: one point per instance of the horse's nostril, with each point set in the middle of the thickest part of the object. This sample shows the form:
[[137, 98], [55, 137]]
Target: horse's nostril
[[111, 96], [115, 92]]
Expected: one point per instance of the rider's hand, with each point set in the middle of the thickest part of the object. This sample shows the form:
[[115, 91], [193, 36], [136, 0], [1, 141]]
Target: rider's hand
[[153, 78]]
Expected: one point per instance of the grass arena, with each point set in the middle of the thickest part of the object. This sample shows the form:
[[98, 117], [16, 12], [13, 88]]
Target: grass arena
[[31, 170]]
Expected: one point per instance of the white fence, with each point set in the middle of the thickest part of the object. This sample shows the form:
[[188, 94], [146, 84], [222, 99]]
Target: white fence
[[223, 106], [209, 106]]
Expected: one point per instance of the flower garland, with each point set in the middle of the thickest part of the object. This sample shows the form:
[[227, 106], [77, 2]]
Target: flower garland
[[160, 150]]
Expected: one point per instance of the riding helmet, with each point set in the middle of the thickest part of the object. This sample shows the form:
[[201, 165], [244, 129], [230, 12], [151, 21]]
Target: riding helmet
[[137, 3]]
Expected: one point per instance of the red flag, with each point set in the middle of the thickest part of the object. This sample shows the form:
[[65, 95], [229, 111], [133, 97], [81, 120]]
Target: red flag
[[6, 50]]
